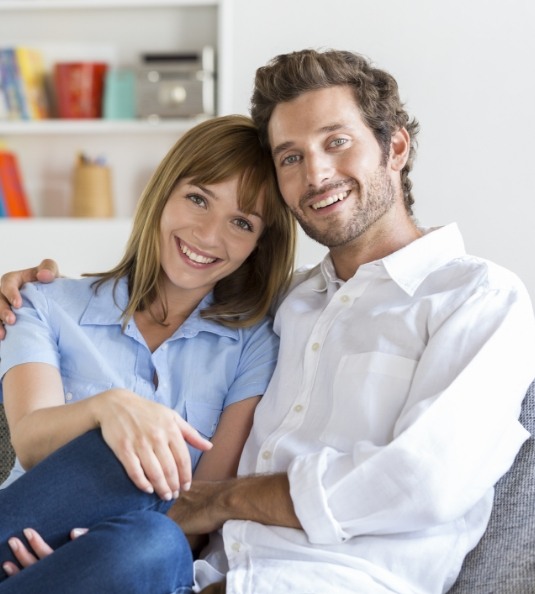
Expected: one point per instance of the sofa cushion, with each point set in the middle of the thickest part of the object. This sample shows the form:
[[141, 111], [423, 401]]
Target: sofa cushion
[[504, 560]]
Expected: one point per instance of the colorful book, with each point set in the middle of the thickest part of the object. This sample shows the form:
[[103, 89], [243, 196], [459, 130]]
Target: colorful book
[[3, 212], [9, 85], [15, 199], [16, 98], [31, 72]]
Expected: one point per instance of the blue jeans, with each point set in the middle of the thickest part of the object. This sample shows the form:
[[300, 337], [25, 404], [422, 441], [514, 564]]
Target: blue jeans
[[132, 546]]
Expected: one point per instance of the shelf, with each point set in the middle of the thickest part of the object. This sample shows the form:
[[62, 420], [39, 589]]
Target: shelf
[[98, 4], [78, 245], [95, 127]]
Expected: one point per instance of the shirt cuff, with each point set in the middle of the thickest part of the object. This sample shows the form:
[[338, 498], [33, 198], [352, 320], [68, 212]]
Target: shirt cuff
[[310, 499]]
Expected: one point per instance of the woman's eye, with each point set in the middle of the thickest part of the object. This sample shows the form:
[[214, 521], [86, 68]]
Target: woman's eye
[[196, 199], [243, 224]]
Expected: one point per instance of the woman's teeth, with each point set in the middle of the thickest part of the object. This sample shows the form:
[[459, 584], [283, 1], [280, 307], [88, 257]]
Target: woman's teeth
[[330, 200], [196, 257]]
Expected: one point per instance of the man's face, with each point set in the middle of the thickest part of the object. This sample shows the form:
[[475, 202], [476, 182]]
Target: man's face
[[330, 168]]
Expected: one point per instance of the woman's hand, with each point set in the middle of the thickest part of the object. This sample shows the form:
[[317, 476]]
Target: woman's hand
[[38, 549], [11, 282], [149, 440]]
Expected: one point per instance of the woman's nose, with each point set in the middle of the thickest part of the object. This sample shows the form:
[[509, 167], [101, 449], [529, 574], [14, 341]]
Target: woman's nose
[[208, 232]]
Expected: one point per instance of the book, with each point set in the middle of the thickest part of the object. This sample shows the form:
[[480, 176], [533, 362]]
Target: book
[[31, 73], [9, 85], [2, 204], [15, 199]]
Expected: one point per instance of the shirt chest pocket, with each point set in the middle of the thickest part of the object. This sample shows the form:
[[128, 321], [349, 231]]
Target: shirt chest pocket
[[77, 388], [369, 391]]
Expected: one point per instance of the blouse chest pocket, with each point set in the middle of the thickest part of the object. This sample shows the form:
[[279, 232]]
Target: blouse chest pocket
[[203, 417], [77, 388], [369, 391]]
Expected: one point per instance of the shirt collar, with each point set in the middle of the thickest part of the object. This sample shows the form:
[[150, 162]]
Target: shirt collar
[[409, 266], [106, 306]]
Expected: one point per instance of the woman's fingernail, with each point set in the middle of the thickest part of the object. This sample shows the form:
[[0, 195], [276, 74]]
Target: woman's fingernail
[[28, 533], [76, 532], [13, 544], [186, 486], [7, 569]]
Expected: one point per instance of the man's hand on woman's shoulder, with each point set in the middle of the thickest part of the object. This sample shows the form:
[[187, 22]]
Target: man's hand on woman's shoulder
[[10, 284]]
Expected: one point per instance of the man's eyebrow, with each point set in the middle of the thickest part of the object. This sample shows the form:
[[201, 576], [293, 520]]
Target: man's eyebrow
[[324, 129], [281, 148]]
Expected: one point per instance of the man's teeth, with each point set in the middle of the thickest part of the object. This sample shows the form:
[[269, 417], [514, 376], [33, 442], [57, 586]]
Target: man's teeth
[[330, 200], [196, 257]]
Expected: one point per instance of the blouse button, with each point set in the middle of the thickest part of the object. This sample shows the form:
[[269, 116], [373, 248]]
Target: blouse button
[[266, 455], [68, 396], [298, 408], [316, 346]]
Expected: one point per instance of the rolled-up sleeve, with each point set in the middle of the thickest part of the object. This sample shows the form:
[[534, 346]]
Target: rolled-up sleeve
[[457, 434]]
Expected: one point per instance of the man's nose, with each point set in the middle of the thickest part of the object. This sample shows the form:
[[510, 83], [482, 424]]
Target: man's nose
[[318, 169]]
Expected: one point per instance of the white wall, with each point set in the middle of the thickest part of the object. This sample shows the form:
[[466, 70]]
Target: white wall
[[466, 69]]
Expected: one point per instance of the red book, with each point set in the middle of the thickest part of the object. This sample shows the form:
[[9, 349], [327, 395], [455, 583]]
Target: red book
[[15, 198]]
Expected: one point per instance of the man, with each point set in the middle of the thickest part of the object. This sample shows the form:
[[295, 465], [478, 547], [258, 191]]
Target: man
[[403, 363]]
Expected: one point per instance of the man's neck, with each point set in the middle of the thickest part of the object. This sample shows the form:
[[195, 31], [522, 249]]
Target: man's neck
[[375, 244]]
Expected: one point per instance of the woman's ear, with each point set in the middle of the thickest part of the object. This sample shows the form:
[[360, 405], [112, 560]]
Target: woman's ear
[[399, 149]]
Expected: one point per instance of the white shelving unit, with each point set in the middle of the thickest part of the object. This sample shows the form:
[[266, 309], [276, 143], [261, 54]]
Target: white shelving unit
[[120, 30]]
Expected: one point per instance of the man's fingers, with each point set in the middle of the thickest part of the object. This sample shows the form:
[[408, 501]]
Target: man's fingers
[[47, 271]]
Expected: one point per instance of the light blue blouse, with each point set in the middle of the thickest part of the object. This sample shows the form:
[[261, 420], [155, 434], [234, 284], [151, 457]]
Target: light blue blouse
[[202, 368]]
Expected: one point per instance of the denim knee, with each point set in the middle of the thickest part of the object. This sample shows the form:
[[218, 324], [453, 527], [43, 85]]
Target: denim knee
[[147, 552]]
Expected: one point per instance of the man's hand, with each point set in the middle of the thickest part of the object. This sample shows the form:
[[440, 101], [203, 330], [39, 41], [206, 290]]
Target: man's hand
[[29, 556], [208, 505], [11, 282]]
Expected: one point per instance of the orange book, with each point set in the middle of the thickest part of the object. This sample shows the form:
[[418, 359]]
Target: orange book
[[15, 198]]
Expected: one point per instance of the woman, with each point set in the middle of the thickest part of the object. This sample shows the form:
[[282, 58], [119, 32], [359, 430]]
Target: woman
[[151, 357]]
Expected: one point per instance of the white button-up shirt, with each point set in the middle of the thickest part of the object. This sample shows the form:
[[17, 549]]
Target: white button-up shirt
[[393, 409]]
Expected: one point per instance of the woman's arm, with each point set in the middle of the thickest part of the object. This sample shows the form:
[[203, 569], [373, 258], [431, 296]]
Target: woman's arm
[[221, 462], [148, 438]]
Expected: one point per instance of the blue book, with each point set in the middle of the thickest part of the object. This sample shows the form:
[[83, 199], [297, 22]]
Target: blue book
[[3, 210]]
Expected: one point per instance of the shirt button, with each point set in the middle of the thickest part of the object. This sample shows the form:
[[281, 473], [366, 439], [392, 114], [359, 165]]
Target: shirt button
[[316, 346], [298, 408], [266, 455], [68, 396], [344, 298], [236, 547]]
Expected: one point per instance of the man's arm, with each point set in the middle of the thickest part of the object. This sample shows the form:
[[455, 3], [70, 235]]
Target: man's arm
[[11, 282], [260, 498]]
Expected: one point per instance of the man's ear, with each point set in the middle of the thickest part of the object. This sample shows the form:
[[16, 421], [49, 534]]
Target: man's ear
[[399, 149]]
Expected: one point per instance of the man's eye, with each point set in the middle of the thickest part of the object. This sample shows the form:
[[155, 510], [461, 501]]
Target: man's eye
[[339, 141], [243, 224], [290, 160]]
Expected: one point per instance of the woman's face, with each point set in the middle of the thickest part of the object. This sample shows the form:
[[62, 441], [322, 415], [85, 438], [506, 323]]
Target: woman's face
[[205, 236]]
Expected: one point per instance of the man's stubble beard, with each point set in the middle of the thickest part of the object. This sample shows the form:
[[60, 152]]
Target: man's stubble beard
[[379, 198]]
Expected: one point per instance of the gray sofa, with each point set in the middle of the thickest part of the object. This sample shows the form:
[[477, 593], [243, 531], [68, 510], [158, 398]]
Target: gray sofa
[[504, 560]]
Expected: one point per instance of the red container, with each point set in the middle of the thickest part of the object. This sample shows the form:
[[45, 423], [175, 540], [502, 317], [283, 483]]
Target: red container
[[79, 89]]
